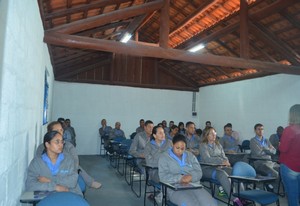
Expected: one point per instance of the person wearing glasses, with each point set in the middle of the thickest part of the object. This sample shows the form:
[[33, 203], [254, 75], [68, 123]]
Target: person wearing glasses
[[71, 150], [53, 170]]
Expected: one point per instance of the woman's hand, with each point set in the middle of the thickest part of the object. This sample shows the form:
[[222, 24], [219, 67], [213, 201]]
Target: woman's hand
[[60, 188], [226, 163], [185, 179], [44, 179]]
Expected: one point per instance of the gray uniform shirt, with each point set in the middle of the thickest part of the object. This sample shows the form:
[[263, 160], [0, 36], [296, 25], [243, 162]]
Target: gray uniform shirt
[[261, 149], [67, 175], [212, 153], [68, 149], [152, 154], [171, 171], [138, 144]]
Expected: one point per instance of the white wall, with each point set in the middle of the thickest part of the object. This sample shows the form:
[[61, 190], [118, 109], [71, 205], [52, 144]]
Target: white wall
[[23, 58], [87, 104], [265, 100]]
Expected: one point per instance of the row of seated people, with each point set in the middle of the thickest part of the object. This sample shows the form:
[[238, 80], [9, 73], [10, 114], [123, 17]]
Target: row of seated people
[[55, 166], [209, 149]]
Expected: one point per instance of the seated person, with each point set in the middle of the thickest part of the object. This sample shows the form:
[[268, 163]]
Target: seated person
[[211, 151], [53, 170], [192, 139], [116, 132], [180, 166], [262, 148], [104, 132], [141, 127], [69, 149], [231, 145], [181, 129], [275, 138], [173, 132], [154, 148], [139, 142]]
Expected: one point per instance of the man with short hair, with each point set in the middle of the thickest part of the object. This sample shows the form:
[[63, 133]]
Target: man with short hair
[[141, 127], [193, 140], [139, 142], [262, 148], [116, 132], [275, 138], [228, 142]]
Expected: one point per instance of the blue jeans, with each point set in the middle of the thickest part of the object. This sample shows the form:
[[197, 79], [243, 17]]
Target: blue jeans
[[291, 182]]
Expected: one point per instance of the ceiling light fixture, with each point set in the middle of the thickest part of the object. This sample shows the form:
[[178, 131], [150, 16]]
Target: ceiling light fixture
[[126, 38], [196, 48]]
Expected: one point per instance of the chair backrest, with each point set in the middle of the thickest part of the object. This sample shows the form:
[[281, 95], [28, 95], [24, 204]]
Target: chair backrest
[[132, 135], [246, 145], [243, 169], [63, 199]]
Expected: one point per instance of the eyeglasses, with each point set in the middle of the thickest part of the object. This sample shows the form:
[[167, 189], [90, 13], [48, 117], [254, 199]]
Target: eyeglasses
[[59, 141]]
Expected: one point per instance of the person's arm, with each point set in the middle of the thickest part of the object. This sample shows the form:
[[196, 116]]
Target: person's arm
[[67, 175], [35, 170], [148, 155], [133, 147], [256, 149], [285, 140], [206, 157], [196, 171], [71, 150], [167, 170]]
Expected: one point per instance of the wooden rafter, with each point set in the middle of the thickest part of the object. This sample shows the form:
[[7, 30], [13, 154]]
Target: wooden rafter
[[103, 19], [134, 49]]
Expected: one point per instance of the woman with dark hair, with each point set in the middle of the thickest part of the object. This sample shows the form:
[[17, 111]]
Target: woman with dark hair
[[180, 166], [154, 148], [181, 129], [53, 170], [290, 156], [173, 132]]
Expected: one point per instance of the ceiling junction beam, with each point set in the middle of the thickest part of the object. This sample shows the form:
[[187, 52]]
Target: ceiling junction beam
[[106, 18], [244, 30], [134, 49]]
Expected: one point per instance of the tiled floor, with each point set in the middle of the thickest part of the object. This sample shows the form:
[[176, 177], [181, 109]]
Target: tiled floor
[[115, 191]]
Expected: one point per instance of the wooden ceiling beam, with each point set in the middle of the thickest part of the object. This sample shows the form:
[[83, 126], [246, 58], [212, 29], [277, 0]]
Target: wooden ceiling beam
[[256, 16], [135, 49], [132, 84], [164, 25], [244, 30], [83, 8], [102, 28], [192, 16], [275, 7], [262, 33], [106, 18], [133, 25]]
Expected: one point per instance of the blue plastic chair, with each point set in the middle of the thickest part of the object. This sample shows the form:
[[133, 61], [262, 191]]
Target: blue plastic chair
[[63, 199], [262, 197]]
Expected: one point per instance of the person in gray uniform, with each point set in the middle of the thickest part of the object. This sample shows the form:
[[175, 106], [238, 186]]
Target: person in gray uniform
[[69, 149], [137, 148], [193, 140], [53, 170], [211, 151], [180, 166], [262, 148], [154, 148]]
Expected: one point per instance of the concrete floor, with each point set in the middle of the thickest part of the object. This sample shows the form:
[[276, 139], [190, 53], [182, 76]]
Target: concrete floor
[[115, 191]]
